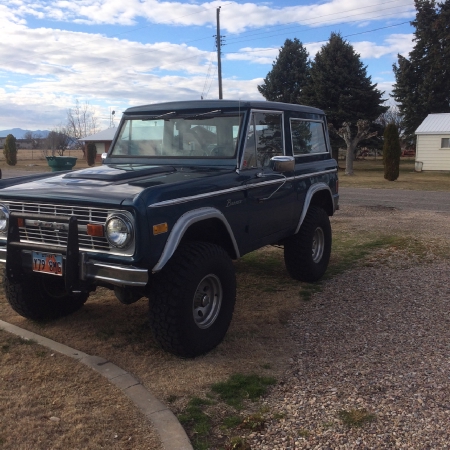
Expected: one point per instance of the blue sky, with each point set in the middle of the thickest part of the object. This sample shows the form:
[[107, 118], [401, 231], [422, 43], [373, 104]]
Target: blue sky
[[114, 53]]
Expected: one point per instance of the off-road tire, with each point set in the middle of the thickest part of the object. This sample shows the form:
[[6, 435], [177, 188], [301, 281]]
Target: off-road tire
[[307, 253], [180, 324], [41, 297]]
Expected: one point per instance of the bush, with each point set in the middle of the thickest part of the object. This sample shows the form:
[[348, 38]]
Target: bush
[[10, 150], [391, 152], [91, 153]]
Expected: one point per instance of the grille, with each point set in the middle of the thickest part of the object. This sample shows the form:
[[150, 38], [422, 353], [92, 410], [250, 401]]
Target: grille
[[84, 215]]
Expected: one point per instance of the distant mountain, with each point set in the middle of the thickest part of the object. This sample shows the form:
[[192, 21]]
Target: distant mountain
[[18, 133]]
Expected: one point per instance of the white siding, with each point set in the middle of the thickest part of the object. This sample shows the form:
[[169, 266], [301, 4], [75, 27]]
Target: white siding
[[429, 152], [100, 147]]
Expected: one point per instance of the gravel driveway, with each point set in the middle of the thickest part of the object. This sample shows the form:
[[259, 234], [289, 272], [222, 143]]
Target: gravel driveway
[[376, 339]]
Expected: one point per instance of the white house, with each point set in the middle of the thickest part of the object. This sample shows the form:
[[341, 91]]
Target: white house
[[433, 143]]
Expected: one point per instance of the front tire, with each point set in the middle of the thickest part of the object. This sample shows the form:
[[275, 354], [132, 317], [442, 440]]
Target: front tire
[[307, 253], [41, 297], [192, 299]]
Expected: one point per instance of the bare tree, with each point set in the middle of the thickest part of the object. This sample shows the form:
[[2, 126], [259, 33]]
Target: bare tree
[[81, 121], [392, 116], [57, 141], [352, 140], [35, 138]]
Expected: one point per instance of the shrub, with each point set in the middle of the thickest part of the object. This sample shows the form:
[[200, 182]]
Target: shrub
[[391, 152], [10, 150], [91, 153]]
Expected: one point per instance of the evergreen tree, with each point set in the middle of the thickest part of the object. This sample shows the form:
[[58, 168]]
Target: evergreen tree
[[423, 81], [289, 73], [339, 84], [10, 150], [391, 152], [91, 153]]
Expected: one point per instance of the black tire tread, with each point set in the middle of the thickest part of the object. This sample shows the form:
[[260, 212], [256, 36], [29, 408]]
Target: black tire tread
[[28, 299], [297, 250], [166, 313]]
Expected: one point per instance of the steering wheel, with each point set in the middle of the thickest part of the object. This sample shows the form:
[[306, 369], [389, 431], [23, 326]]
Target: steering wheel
[[216, 150]]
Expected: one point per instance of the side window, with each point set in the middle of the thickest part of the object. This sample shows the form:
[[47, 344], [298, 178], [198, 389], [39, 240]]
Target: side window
[[264, 139], [250, 147], [307, 137]]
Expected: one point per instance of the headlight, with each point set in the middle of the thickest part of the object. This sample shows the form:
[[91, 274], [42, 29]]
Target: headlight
[[4, 218], [119, 230]]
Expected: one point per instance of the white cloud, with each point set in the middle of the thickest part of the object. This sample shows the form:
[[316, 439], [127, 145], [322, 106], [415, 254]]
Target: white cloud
[[44, 69], [394, 44], [235, 17], [254, 55]]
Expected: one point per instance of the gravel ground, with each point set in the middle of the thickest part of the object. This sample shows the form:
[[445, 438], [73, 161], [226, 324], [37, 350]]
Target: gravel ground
[[375, 341]]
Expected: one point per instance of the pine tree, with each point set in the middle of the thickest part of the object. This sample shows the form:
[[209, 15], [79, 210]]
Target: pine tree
[[289, 73], [10, 150], [339, 85], [391, 152], [423, 81]]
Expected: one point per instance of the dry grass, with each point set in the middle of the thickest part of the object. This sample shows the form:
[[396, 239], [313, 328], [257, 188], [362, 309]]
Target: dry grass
[[51, 401], [257, 341], [34, 160], [369, 174]]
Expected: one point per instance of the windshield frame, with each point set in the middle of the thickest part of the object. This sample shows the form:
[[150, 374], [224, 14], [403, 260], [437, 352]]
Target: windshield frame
[[220, 131]]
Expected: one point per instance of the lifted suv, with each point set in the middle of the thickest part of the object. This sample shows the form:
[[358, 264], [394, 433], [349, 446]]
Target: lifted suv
[[185, 188]]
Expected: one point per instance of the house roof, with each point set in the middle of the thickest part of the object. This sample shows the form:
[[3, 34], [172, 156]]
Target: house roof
[[435, 124], [105, 135]]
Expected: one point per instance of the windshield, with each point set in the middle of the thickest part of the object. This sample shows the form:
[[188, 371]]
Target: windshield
[[207, 135]]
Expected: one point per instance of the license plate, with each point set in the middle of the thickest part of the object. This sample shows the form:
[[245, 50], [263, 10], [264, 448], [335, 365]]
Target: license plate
[[48, 263]]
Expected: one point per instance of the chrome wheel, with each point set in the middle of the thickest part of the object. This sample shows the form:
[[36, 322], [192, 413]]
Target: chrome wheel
[[207, 301], [318, 244]]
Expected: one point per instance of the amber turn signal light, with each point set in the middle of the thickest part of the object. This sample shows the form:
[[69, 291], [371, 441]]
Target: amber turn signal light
[[95, 230], [160, 228]]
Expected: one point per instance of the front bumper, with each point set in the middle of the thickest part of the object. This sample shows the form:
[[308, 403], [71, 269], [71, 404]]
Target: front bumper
[[92, 270], [79, 268]]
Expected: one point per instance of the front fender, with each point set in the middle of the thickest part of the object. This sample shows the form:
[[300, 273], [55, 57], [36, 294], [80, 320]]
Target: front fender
[[182, 224]]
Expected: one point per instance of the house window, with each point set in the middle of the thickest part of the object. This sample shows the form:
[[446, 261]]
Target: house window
[[445, 142]]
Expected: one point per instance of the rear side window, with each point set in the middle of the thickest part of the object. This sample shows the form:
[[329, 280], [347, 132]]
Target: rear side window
[[307, 137], [264, 139]]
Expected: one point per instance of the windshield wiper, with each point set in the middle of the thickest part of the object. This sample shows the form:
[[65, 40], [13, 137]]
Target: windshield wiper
[[159, 117], [196, 116]]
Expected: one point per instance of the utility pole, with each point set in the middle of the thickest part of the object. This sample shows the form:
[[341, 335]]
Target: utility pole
[[219, 45]]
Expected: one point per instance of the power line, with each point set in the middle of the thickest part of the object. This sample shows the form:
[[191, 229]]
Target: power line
[[318, 28], [318, 42], [306, 23], [241, 40]]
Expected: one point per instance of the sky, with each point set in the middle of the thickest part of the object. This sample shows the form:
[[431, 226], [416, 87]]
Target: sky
[[113, 54]]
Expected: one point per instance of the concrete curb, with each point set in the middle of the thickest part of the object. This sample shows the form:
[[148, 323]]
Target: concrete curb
[[171, 433]]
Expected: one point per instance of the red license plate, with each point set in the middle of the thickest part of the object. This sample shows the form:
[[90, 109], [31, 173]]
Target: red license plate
[[48, 263]]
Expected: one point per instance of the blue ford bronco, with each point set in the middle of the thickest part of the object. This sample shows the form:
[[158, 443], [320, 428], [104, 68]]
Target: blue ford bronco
[[185, 188]]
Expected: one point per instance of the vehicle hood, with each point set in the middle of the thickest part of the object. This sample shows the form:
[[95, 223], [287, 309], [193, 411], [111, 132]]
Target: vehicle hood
[[108, 184]]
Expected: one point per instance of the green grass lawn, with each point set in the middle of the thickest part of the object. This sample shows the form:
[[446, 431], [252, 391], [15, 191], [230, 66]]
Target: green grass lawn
[[369, 174]]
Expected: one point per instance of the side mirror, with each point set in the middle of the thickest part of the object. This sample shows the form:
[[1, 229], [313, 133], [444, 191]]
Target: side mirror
[[104, 155], [282, 163]]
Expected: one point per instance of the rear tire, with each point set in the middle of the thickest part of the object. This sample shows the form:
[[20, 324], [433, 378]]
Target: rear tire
[[307, 253], [192, 299], [41, 297]]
